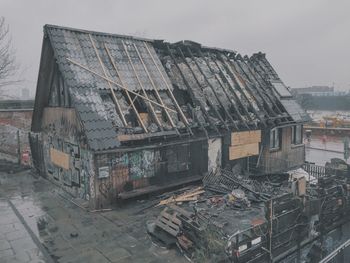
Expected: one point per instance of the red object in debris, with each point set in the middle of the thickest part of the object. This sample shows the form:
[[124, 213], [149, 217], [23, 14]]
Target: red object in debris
[[25, 157], [257, 222]]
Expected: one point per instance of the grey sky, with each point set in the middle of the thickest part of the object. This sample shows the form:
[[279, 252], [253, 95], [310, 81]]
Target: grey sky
[[307, 42]]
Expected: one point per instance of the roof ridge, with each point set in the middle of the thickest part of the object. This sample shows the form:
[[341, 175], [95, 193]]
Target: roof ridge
[[50, 26]]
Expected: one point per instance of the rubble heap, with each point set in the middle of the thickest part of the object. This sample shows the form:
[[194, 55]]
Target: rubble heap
[[232, 218]]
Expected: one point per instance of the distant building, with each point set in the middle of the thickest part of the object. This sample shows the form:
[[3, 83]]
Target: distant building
[[314, 89], [319, 91]]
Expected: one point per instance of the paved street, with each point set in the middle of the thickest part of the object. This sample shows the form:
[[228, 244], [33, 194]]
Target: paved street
[[16, 243], [68, 233]]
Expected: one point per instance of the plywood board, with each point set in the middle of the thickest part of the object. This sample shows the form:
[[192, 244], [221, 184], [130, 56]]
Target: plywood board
[[241, 151], [59, 158], [246, 137], [302, 186]]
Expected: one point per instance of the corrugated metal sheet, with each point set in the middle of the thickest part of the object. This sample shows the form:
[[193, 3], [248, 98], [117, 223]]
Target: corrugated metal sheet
[[295, 111], [281, 89]]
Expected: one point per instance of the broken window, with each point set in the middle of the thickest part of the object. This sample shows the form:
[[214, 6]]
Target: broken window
[[275, 136], [297, 134]]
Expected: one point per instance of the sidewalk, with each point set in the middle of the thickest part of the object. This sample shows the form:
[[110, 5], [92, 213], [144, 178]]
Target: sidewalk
[[69, 233], [16, 243]]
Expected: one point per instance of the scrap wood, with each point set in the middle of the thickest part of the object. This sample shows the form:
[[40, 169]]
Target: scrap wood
[[169, 222], [181, 211], [185, 197], [100, 210], [184, 242]]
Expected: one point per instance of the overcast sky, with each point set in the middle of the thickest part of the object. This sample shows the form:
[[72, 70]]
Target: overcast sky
[[307, 42]]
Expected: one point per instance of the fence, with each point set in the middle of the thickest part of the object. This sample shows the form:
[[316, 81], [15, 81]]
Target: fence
[[314, 170], [319, 171], [13, 141]]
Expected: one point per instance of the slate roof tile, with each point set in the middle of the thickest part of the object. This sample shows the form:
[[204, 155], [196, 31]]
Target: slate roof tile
[[86, 88]]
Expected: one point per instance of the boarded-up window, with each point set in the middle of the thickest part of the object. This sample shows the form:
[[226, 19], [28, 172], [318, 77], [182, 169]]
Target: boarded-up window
[[59, 158], [244, 144]]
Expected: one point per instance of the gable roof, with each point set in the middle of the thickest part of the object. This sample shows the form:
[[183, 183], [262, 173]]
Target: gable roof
[[113, 79]]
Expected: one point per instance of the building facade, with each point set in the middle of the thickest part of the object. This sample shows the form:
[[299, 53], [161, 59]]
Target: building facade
[[116, 116]]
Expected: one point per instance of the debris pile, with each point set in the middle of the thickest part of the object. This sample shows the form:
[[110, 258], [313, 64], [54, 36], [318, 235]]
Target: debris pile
[[203, 220], [224, 182], [232, 218]]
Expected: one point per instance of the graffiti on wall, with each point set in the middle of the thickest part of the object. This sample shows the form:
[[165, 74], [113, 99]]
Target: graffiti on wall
[[135, 161], [78, 172], [105, 188], [142, 164], [120, 160]]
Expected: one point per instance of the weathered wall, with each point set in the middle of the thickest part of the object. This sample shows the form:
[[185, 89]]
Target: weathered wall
[[18, 118], [125, 171], [287, 156], [67, 160]]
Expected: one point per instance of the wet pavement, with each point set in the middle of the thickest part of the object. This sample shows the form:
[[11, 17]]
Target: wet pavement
[[16, 243], [68, 233], [320, 150], [40, 223]]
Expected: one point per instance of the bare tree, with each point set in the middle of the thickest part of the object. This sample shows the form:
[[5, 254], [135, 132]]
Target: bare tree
[[8, 64]]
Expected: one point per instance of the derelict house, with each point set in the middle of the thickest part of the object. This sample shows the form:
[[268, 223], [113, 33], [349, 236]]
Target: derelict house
[[117, 116]]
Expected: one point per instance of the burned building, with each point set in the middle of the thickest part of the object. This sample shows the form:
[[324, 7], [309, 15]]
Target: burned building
[[118, 116]]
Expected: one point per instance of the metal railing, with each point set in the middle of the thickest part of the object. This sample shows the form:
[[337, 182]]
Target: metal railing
[[314, 170]]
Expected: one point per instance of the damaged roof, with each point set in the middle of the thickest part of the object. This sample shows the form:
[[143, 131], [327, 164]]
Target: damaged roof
[[122, 86]]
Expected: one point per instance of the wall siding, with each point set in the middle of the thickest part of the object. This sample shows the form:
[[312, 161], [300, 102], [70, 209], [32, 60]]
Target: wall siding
[[61, 133], [138, 169], [287, 157]]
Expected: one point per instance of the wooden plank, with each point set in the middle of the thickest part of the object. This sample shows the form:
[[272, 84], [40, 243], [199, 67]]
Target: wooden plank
[[142, 136], [115, 83], [155, 188], [144, 117], [169, 222], [150, 106], [245, 137], [241, 151], [59, 158], [171, 218], [155, 89], [169, 90], [180, 210], [167, 229], [109, 84]]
